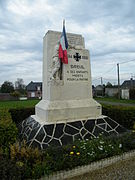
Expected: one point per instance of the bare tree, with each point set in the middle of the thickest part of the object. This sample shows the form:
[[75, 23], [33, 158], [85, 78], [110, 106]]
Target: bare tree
[[20, 86]]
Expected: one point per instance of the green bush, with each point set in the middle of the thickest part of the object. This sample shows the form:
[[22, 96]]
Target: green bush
[[18, 115], [5, 117], [15, 94], [8, 134], [86, 151], [128, 141], [8, 130], [54, 159], [32, 158], [123, 115], [11, 170]]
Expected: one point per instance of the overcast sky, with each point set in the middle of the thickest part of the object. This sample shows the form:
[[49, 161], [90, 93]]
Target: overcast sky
[[108, 27]]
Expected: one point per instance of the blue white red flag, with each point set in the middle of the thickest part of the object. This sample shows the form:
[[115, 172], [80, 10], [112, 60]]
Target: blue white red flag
[[63, 46]]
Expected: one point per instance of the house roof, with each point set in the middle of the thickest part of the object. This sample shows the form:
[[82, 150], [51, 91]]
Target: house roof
[[112, 87], [128, 83], [99, 87], [32, 86]]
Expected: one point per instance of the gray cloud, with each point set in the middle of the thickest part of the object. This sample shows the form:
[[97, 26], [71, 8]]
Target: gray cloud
[[108, 27]]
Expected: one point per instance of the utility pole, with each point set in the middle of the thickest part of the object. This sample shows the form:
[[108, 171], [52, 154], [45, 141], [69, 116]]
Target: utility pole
[[118, 80], [102, 86], [101, 81]]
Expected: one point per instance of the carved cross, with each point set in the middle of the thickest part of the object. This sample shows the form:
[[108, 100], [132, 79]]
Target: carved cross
[[77, 57]]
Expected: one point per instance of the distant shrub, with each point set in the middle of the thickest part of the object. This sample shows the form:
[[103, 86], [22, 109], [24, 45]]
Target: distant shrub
[[18, 115], [15, 94], [122, 115], [132, 93]]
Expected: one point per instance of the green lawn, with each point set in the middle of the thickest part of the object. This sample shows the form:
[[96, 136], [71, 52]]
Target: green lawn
[[115, 100], [18, 104], [32, 103]]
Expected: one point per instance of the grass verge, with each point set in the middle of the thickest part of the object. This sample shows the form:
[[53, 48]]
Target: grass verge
[[115, 100], [18, 104]]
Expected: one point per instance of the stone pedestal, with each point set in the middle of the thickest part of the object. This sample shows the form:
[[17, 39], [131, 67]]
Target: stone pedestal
[[62, 133]]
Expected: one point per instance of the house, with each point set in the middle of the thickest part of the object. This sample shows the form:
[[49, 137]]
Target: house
[[99, 90], [111, 91], [127, 89], [125, 93], [34, 90], [128, 84]]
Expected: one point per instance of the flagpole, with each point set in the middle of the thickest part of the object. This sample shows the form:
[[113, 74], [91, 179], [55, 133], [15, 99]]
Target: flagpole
[[61, 67], [63, 49], [61, 64], [63, 22]]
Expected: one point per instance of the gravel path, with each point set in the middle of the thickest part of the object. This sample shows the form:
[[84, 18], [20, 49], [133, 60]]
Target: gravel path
[[123, 170]]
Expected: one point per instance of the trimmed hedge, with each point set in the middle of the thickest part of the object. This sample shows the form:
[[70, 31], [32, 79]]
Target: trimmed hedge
[[123, 115], [18, 115]]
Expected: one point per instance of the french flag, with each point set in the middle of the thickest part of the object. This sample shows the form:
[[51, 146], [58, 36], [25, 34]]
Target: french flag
[[63, 46]]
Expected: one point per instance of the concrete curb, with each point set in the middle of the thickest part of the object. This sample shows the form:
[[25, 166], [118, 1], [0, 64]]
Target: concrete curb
[[61, 175]]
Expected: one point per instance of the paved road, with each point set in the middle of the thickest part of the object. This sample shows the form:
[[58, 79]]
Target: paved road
[[115, 103], [123, 170]]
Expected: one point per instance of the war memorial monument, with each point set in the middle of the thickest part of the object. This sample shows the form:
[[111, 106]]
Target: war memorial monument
[[67, 111]]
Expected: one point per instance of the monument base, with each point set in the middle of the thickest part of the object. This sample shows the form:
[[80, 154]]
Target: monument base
[[55, 111], [62, 133]]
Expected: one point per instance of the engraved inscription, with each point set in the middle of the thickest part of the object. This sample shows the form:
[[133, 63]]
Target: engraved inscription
[[85, 57], [77, 72], [75, 40], [79, 57]]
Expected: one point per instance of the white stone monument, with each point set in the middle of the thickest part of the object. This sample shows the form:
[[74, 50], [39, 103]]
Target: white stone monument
[[69, 98], [67, 110]]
